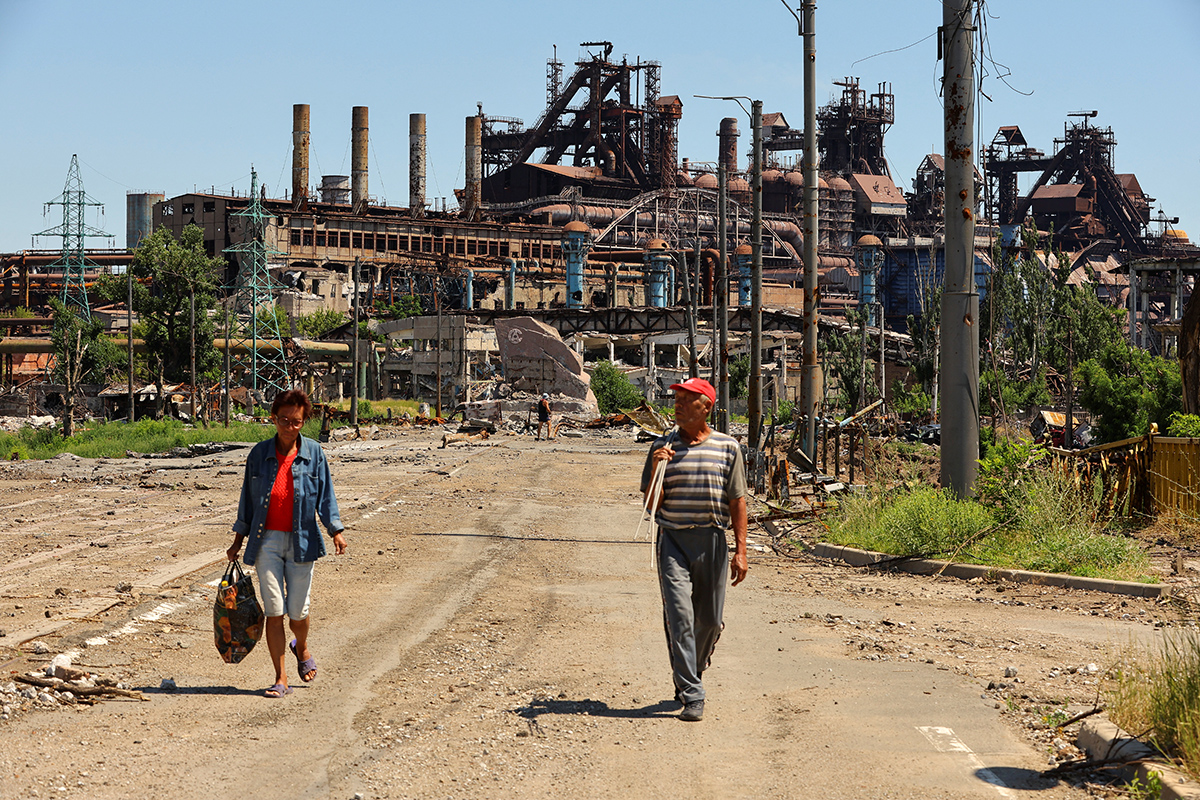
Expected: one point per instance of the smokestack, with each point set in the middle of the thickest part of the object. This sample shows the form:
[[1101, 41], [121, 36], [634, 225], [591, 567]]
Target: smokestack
[[474, 188], [416, 164], [300, 136], [358, 159], [727, 151]]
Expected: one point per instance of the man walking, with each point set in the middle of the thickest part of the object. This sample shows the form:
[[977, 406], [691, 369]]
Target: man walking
[[703, 493]]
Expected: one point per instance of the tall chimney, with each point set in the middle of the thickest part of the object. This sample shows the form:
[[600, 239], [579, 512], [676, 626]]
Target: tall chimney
[[358, 160], [727, 149], [300, 138], [474, 187], [416, 164]]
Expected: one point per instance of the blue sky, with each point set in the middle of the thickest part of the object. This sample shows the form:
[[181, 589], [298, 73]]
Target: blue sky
[[170, 96]]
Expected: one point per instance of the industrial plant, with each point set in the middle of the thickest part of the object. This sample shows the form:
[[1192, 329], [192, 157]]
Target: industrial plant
[[590, 221]]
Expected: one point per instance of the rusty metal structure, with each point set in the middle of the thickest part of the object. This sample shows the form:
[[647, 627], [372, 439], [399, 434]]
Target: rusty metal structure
[[1077, 193], [606, 129]]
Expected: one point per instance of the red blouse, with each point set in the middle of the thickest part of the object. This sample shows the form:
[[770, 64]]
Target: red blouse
[[279, 510]]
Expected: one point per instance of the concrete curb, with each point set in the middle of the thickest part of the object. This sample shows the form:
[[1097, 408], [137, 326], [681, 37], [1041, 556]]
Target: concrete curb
[[925, 566], [1104, 741]]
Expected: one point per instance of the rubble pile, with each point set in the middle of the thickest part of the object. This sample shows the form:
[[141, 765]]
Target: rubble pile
[[58, 684]]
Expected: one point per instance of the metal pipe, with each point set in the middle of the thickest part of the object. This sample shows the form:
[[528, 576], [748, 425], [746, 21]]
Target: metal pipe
[[416, 164], [810, 370], [754, 401], [474, 156], [658, 272], [358, 159], [510, 283], [470, 304], [727, 156], [575, 246], [960, 300], [300, 141], [743, 259]]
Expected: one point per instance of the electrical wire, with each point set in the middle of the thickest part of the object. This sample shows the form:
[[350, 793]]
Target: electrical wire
[[102, 175], [378, 173], [894, 50]]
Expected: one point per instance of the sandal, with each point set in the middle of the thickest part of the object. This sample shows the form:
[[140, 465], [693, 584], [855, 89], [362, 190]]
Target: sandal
[[279, 689], [306, 667]]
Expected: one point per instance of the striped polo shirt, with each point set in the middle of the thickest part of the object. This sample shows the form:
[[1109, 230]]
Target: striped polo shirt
[[700, 481]]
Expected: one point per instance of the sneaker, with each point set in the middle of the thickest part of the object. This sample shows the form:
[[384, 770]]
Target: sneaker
[[692, 711]]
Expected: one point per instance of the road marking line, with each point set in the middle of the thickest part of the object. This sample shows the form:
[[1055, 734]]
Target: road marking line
[[944, 740]]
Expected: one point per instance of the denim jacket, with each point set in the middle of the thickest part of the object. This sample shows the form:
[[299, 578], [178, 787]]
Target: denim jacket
[[313, 497]]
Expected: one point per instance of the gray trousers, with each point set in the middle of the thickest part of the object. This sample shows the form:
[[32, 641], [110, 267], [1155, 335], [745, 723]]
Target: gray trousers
[[692, 567]]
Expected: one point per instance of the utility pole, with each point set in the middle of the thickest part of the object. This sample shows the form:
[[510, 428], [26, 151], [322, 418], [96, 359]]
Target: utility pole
[[437, 302], [129, 332], [809, 368], [192, 343], [810, 374], [228, 371], [354, 355], [960, 300], [722, 288], [754, 402]]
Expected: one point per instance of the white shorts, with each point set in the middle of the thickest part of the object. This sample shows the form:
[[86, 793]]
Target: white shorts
[[284, 583]]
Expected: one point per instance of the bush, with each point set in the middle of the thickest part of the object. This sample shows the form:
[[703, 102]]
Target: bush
[[1040, 522], [319, 323], [784, 414], [1125, 389], [1004, 471], [1180, 424], [613, 390], [909, 401], [739, 376], [928, 522]]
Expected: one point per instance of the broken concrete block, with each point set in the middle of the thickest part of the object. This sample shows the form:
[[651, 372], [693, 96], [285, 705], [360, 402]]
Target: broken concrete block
[[534, 354]]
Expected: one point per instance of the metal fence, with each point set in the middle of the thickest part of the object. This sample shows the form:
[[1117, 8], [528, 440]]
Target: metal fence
[[1151, 474]]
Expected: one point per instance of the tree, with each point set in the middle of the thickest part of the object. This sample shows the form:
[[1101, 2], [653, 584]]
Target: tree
[[168, 274], [844, 360], [1034, 319], [739, 374], [1126, 389], [613, 390], [408, 305], [320, 322], [81, 354]]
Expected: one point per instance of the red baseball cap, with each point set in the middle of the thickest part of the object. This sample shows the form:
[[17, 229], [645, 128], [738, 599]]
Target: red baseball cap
[[699, 386]]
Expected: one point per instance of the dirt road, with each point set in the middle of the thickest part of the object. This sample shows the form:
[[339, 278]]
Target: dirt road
[[495, 631]]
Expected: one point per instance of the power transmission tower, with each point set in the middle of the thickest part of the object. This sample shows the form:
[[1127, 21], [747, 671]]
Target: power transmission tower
[[257, 350], [73, 231]]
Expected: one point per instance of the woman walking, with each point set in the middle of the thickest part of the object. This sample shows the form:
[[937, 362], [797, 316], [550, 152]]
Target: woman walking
[[286, 487]]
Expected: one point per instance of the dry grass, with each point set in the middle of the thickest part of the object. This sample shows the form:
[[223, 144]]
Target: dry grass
[[1156, 696]]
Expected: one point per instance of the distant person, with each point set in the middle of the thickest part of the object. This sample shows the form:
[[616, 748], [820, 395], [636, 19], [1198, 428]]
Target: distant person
[[286, 487], [543, 412], [704, 492]]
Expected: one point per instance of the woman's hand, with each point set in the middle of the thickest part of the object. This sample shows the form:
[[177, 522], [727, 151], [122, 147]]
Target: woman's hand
[[339, 543]]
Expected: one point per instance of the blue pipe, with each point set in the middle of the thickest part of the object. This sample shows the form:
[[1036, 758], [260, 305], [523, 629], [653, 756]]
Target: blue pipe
[[470, 289], [658, 276], [575, 248]]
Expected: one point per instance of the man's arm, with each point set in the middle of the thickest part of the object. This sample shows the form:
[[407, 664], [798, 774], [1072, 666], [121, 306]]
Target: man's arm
[[738, 566]]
